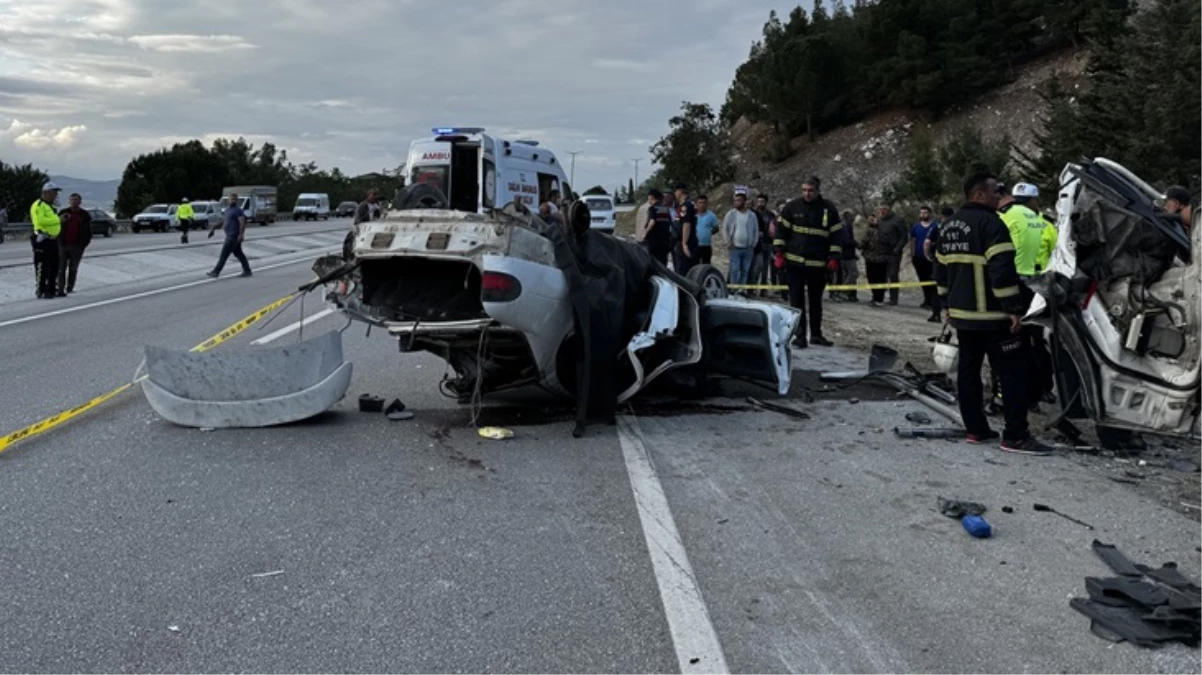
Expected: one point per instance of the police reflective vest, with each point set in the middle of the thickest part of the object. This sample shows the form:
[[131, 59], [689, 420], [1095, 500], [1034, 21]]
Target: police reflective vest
[[45, 219], [1029, 232], [974, 270], [185, 212], [809, 233]]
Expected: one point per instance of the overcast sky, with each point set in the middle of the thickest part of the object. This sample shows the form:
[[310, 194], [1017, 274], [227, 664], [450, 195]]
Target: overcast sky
[[87, 84]]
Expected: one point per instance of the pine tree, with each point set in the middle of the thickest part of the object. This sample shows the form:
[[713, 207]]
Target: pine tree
[[922, 178]]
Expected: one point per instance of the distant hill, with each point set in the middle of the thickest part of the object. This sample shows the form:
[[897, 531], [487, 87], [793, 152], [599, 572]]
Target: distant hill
[[97, 194]]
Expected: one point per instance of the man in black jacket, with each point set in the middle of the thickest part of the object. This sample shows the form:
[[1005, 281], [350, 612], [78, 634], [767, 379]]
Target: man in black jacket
[[808, 243], [976, 277]]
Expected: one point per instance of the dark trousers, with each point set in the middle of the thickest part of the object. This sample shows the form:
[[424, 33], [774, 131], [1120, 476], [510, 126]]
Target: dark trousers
[[1007, 354], [45, 265], [807, 283], [185, 224], [682, 262], [893, 272], [705, 255], [659, 253], [923, 268], [877, 272], [234, 247], [68, 266]]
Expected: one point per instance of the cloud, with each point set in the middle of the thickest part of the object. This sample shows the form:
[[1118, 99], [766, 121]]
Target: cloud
[[46, 139], [351, 84], [190, 43]]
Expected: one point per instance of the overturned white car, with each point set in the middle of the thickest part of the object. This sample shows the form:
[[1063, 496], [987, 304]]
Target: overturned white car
[[510, 301], [1120, 301]]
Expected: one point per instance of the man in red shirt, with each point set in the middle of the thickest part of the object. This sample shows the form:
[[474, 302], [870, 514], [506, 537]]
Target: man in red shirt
[[75, 237]]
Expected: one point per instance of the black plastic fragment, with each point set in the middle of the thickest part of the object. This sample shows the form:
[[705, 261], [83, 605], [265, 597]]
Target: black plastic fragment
[[1126, 591], [1129, 624], [1115, 559], [1171, 576]]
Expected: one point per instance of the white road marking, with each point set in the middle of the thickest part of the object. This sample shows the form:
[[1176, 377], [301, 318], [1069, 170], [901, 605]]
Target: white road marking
[[697, 647], [271, 337], [135, 296]]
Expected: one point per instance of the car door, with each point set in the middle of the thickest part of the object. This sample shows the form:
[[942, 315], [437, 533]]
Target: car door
[[747, 339]]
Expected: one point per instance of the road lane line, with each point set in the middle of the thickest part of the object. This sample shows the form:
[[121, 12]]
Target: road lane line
[[292, 326], [697, 647], [136, 296], [58, 419]]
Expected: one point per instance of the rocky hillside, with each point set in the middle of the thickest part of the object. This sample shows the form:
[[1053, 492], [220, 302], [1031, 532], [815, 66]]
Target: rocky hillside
[[857, 162]]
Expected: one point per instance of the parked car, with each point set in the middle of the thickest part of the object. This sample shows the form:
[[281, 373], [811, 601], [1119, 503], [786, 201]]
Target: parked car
[[204, 214], [346, 210], [605, 217], [156, 218], [102, 223]]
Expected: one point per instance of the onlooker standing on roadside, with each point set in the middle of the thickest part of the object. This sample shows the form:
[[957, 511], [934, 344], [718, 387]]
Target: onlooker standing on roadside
[[657, 231], [895, 231], [684, 245], [919, 258], [742, 229], [879, 245], [235, 232], [46, 228], [707, 225], [185, 215], [367, 209], [849, 267], [640, 220], [762, 270], [74, 238]]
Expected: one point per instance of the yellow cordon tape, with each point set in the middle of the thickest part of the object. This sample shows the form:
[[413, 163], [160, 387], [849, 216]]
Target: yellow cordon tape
[[869, 287], [42, 426]]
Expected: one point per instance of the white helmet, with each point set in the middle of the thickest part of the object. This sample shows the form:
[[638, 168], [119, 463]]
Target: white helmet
[[946, 354]]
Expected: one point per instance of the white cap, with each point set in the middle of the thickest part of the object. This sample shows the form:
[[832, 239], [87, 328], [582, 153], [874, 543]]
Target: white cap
[[1023, 190], [50, 186]]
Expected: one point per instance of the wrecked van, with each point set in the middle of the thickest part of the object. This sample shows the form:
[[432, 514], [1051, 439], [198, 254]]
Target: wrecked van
[[509, 301], [1120, 302]]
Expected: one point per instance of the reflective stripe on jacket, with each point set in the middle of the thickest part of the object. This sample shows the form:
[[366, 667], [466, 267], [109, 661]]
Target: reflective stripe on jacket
[[810, 233], [974, 270]]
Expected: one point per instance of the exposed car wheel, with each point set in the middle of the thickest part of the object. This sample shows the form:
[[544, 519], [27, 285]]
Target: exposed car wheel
[[108, 231], [134, 228], [710, 279]]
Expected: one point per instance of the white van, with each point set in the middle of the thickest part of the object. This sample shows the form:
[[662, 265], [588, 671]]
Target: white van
[[477, 172], [312, 205]]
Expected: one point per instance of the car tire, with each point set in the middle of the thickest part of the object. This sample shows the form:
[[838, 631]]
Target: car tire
[[710, 280], [134, 228], [108, 231]]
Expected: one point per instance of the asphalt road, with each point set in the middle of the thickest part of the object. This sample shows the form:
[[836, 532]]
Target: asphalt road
[[743, 539], [15, 250]]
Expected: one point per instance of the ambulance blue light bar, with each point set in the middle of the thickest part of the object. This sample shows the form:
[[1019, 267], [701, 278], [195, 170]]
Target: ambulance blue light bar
[[452, 131]]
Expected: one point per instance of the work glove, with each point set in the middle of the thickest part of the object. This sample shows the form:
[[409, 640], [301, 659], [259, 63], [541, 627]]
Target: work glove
[[832, 265], [778, 260]]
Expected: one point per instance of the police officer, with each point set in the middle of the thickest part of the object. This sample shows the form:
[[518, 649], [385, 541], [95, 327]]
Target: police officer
[[808, 243], [46, 228], [684, 233], [657, 234], [975, 274], [1034, 240], [185, 215]]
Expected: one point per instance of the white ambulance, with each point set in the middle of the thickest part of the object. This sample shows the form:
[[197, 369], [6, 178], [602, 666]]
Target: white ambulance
[[478, 172]]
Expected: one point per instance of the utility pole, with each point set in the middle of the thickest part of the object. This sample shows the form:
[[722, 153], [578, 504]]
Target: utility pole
[[573, 172], [636, 173]]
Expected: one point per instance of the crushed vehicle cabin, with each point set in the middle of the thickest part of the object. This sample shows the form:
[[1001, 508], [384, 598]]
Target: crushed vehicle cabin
[[1120, 301], [461, 268]]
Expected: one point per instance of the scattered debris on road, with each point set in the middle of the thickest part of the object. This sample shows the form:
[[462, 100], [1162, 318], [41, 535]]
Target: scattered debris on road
[[1144, 606], [495, 433], [929, 432], [371, 404], [1047, 509], [977, 527], [920, 418], [263, 575], [778, 408], [955, 508], [173, 628]]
